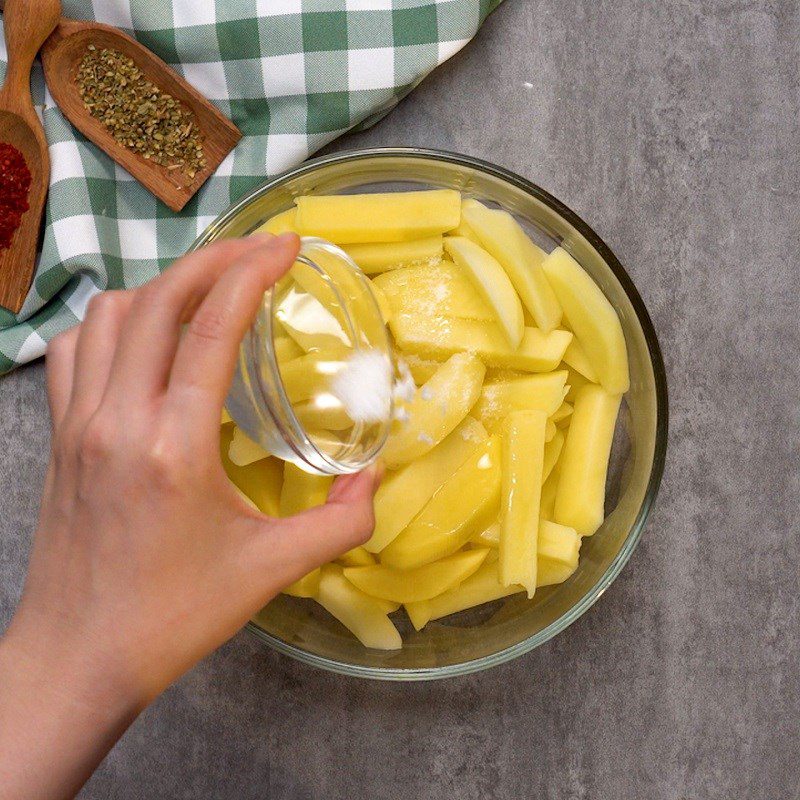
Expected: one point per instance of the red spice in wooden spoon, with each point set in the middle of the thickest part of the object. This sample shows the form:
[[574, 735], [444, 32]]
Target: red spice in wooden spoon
[[15, 184]]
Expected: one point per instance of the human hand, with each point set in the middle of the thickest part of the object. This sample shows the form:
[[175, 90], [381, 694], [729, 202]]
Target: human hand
[[145, 558]]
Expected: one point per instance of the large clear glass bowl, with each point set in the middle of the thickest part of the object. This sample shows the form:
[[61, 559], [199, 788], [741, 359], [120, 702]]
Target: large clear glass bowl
[[498, 632]]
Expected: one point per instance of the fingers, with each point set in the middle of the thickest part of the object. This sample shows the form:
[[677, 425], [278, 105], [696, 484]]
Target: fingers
[[206, 358], [98, 338], [292, 547], [60, 364], [152, 330]]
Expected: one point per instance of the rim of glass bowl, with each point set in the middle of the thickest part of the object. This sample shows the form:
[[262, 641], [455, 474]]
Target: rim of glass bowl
[[659, 374]]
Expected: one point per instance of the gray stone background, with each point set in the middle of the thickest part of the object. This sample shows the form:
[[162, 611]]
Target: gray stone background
[[672, 127]]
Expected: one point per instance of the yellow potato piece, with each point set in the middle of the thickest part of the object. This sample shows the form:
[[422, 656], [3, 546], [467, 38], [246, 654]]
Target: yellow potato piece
[[285, 222], [422, 583], [465, 504], [307, 586], [421, 369], [402, 494], [365, 617], [443, 290], [391, 217], [325, 413], [558, 543], [481, 587], [302, 490], [464, 230], [243, 450], [499, 398], [552, 451], [523, 454], [584, 461], [547, 503], [383, 302], [259, 480], [592, 318], [311, 373], [226, 417], [501, 235], [489, 537], [552, 572], [440, 337], [575, 357], [562, 413], [383, 256], [438, 406], [575, 381], [493, 286], [357, 557], [286, 348]]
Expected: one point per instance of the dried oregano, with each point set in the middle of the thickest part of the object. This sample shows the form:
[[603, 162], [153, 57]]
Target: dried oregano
[[139, 115]]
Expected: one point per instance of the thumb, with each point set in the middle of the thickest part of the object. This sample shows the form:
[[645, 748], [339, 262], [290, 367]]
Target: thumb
[[298, 544]]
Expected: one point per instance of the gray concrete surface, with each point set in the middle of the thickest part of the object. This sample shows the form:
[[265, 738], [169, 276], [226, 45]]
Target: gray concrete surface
[[672, 127]]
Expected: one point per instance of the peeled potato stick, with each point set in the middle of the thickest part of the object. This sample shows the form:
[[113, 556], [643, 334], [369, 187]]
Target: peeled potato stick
[[392, 217], [562, 413], [226, 417], [385, 256], [592, 318], [421, 583], [464, 230], [547, 503], [439, 337], [438, 406], [488, 537], [558, 543], [552, 451], [357, 557], [575, 356], [383, 302], [584, 460], [285, 222], [307, 586], [499, 398], [442, 290], [501, 235], [260, 481], [243, 450], [523, 454], [466, 504], [421, 369], [302, 490], [402, 494], [364, 616], [551, 572], [493, 285]]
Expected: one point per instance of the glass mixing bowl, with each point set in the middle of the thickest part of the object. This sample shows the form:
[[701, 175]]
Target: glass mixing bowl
[[500, 631]]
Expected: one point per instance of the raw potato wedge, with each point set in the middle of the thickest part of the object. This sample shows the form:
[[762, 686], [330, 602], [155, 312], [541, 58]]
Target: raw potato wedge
[[303, 377], [580, 498], [499, 398], [302, 490], [501, 235], [552, 572], [307, 586], [421, 369], [575, 381], [466, 504], [464, 230], [243, 450], [558, 543], [592, 318], [285, 222], [384, 256], [440, 337], [365, 617], [402, 495], [391, 217], [552, 451], [563, 412], [438, 406], [286, 348], [443, 290], [357, 557], [260, 481], [492, 284], [382, 301], [575, 357], [547, 503], [523, 454], [422, 583], [489, 537], [482, 587]]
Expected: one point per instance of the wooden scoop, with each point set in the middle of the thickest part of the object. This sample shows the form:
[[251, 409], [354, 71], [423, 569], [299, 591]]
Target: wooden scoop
[[61, 57], [27, 25]]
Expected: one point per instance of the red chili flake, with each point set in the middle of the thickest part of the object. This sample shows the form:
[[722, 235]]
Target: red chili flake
[[15, 184]]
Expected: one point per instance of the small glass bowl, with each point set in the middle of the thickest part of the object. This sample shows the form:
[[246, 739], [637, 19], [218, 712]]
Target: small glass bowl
[[495, 633], [317, 331]]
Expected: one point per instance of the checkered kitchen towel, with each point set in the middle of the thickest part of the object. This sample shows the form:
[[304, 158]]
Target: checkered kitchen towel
[[292, 74]]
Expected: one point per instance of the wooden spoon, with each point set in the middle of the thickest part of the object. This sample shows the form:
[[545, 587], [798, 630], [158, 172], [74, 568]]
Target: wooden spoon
[[27, 25], [61, 58]]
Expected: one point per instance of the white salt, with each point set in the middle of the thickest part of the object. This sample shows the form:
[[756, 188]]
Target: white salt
[[364, 386]]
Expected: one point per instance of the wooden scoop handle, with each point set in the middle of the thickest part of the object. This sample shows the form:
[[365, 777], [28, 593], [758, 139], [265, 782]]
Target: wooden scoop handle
[[27, 25]]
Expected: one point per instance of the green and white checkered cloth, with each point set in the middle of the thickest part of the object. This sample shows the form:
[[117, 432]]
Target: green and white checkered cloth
[[292, 74]]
